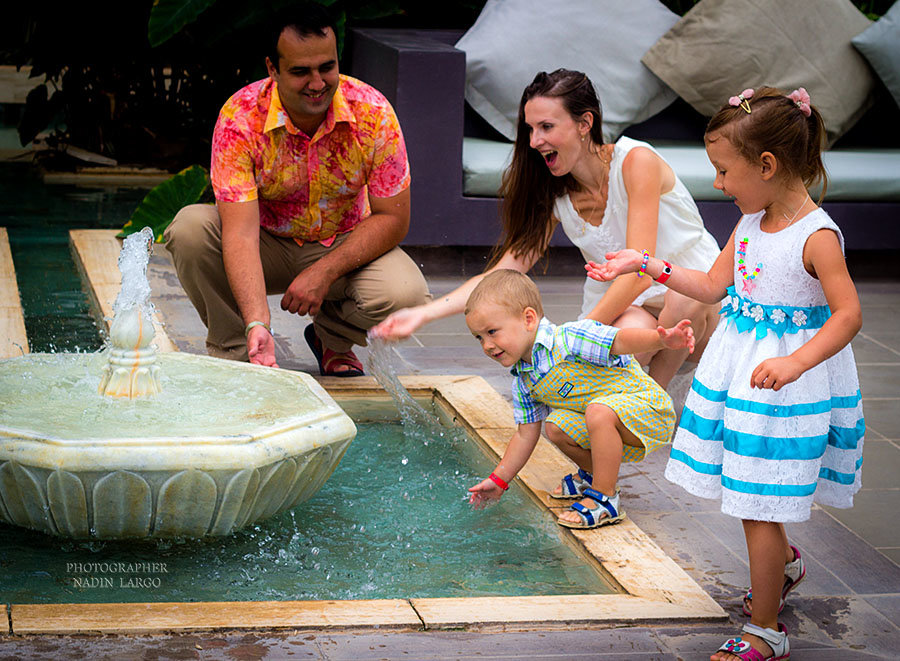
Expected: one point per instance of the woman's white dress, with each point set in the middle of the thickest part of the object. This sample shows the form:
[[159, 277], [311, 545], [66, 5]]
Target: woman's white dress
[[768, 455], [681, 237]]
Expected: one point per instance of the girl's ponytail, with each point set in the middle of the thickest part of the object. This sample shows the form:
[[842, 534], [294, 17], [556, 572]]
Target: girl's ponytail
[[786, 125], [815, 167]]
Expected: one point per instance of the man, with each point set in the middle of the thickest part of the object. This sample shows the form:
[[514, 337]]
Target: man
[[311, 180]]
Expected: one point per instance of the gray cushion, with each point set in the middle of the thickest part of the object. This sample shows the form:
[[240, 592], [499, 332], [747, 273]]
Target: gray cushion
[[513, 40], [863, 175], [880, 45], [721, 47]]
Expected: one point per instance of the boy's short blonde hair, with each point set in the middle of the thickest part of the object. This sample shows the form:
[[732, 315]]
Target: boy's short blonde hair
[[507, 288]]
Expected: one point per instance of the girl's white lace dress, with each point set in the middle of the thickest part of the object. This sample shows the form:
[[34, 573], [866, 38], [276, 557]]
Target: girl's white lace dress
[[769, 454]]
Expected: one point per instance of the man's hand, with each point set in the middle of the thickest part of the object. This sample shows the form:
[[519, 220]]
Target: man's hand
[[680, 336], [261, 347], [306, 293]]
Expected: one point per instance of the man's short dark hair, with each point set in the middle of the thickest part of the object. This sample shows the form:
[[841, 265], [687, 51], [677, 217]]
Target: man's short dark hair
[[310, 19]]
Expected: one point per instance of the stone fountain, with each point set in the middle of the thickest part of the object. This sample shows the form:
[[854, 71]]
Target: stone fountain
[[130, 443]]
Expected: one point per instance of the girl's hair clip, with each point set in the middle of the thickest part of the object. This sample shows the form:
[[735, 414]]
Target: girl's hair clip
[[742, 100], [800, 97]]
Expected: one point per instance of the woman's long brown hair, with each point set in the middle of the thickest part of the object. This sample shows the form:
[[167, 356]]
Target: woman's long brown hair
[[528, 189]]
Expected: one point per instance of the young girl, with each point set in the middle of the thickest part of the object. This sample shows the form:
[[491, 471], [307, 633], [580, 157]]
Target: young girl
[[774, 417]]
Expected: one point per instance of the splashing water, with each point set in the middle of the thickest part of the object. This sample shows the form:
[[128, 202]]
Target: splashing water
[[413, 417], [133, 261], [132, 371]]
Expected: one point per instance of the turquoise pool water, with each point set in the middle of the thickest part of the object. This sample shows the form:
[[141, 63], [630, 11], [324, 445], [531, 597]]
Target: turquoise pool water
[[38, 219], [393, 521]]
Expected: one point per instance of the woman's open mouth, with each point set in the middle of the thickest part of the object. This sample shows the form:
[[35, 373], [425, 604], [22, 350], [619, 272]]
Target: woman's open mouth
[[550, 158]]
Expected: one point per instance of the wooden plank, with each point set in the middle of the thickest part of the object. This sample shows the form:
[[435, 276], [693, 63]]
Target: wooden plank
[[199, 616], [13, 339], [96, 254], [546, 612], [478, 404]]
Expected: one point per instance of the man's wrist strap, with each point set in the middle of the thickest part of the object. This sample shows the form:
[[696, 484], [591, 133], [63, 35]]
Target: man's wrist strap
[[257, 323]]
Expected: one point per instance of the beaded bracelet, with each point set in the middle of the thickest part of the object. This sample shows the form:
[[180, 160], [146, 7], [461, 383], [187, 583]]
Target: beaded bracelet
[[253, 324], [498, 481], [645, 258]]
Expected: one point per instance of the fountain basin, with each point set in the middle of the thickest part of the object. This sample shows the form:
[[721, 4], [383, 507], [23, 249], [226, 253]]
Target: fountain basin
[[224, 445]]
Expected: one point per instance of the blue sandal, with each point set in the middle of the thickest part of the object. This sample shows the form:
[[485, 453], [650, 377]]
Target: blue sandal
[[573, 486], [605, 513]]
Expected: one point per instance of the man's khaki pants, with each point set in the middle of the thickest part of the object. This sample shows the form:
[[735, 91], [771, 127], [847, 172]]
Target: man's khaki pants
[[354, 303]]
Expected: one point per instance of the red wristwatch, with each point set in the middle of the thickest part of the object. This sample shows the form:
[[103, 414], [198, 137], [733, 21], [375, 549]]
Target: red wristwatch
[[666, 272]]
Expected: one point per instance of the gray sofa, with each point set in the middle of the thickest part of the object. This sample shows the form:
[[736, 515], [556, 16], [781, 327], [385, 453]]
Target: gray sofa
[[457, 159]]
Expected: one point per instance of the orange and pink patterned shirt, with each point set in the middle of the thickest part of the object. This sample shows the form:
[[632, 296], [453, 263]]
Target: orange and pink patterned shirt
[[309, 188]]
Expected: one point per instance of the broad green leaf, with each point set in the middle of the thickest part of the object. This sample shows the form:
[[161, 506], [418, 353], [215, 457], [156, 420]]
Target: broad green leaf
[[161, 204], [167, 17]]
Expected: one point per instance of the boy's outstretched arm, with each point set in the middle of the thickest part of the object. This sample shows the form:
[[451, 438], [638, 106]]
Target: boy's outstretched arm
[[640, 340], [520, 447]]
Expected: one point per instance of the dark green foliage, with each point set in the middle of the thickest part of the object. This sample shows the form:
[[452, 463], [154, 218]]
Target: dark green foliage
[[161, 204], [168, 17]]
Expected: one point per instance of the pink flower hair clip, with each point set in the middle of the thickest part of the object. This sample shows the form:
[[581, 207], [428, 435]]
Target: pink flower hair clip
[[742, 100], [800, 97]]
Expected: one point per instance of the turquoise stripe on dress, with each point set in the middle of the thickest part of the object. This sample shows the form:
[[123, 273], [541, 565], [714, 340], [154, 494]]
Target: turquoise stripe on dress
[[760, 489], [792, 410], [708, 393], [703, 428], [696, 466], [842, 438], [801, 448], [847, 438], [841, 478]]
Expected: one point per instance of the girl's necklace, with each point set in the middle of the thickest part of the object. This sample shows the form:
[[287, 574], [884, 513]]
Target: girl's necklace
[[749, 277], [796, 213], [748, 284]]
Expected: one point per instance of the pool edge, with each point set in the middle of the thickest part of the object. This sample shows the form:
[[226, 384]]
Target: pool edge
[[655, 588]]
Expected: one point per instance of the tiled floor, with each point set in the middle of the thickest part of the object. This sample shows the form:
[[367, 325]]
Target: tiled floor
[[847, 609]]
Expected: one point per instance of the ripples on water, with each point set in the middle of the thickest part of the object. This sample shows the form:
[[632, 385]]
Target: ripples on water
[[392, 522]]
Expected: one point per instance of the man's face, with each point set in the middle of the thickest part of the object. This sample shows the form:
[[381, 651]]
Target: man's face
[[307, 76]]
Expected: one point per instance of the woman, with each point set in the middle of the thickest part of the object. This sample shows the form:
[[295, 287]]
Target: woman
[[606, 197]]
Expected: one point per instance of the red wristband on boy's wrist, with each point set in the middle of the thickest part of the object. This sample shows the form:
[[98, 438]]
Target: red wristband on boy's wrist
[[498, 481], [666, 272]]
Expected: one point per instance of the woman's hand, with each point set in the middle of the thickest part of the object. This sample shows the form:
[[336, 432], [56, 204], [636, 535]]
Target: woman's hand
[[483, 493], [400, 324], [680, 336], [617, 263], [776, 373]]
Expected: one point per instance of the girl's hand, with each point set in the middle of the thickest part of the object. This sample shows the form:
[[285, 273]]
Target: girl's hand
[[680, 336], [399, 325], [776, 373], [617, 263], [483, 493]]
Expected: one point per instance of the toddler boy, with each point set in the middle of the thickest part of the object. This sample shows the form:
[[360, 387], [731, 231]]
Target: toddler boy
[[597, 404]]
